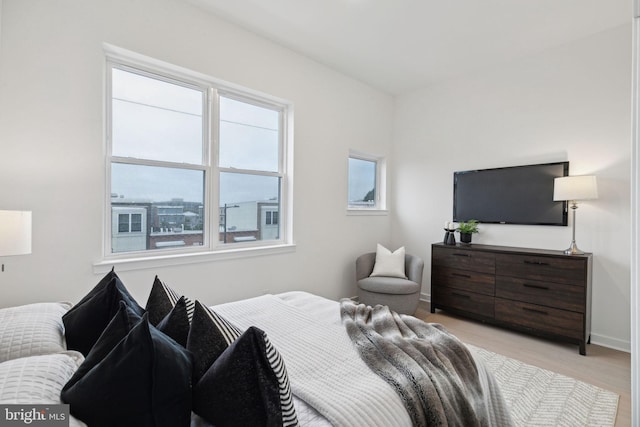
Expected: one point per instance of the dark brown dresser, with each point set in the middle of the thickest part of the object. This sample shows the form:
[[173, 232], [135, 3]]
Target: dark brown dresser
[[543, 292]]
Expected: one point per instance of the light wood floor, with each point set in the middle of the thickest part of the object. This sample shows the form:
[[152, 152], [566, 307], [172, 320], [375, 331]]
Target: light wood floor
[[603, 367]]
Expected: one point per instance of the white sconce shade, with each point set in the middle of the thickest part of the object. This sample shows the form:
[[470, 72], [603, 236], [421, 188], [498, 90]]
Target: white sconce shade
[[15, 233], [575, 188]]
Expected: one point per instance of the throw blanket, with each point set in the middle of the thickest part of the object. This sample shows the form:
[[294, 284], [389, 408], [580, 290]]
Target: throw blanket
[[323, 366], [432, 371]]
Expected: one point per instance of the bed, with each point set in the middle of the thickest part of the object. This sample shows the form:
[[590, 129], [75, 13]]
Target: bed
[[331, 382]]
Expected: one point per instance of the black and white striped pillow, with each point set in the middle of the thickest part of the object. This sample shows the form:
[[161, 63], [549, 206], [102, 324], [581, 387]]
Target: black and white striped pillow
[[162, 299], [233, 368], [289, 417]]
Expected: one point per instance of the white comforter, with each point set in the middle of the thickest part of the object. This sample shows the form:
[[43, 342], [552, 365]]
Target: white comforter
[[324, 369], [330, 382]]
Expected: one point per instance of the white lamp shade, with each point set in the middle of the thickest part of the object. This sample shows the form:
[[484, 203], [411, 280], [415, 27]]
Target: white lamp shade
[[575, 188], [15, 233]]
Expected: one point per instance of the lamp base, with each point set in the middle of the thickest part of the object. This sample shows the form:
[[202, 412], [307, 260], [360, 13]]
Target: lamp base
[[573, 249]]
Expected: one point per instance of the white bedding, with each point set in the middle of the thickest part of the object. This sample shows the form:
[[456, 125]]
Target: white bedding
[[320, 308], [295, 322], [32, 330], [34, 363], [331, 377]]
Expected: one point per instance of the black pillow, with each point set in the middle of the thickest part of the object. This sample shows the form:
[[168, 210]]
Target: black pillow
[[86, 320], [176, 323], [246, 386], [144, 381], [161, 301], [210, 334], [119, 327]]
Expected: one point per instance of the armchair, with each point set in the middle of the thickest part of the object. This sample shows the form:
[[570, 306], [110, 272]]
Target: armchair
[[401, 295]]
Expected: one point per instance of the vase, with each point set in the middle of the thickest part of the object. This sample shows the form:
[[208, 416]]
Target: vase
[[465, 238], [451, 238]]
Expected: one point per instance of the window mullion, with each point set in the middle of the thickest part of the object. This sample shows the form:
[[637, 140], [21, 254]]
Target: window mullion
[[214, 177]]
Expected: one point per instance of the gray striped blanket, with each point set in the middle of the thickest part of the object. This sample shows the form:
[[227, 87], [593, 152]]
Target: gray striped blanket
[[433, 372]]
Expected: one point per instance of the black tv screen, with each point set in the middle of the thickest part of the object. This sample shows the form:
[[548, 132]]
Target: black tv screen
[[510, 195]]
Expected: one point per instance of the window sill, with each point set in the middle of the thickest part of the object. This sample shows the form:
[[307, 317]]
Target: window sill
[[141, 263], [367, 212]]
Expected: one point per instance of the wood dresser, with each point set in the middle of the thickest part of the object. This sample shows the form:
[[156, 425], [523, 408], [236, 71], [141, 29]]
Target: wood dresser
[[543, 292]]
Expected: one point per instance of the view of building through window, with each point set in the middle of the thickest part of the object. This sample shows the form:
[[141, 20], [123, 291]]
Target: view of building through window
[[161, 167]]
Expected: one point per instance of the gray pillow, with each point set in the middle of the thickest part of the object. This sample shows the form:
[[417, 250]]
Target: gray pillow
[[37, 379], [31, 330]]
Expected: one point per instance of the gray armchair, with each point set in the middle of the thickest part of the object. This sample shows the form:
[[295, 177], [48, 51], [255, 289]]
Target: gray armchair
[[401, 295]]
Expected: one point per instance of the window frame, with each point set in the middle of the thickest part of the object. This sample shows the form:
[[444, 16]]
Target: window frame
[[212, 90], [380, 205], [282, 162]]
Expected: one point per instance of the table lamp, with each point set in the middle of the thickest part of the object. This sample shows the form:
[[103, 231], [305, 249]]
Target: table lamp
[[574, 189]]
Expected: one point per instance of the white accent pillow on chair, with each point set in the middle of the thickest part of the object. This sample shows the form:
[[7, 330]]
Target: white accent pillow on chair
[[389, 264]]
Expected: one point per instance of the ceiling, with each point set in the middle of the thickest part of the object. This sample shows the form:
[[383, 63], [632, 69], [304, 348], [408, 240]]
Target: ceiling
[[400, 45]]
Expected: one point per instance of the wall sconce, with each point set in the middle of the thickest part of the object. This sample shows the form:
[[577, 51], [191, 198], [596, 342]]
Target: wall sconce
[[15, 233], [574, 189]]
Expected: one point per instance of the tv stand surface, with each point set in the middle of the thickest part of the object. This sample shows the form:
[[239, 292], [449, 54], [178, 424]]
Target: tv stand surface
[[539, 291]]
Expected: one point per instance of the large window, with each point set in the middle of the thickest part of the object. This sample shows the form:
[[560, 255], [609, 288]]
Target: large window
[[192, 165], [366, 182]]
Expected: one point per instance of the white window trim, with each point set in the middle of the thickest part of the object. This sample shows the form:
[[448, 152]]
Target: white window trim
[[211, 249], [168, 259], [380, 207], [282, 173]]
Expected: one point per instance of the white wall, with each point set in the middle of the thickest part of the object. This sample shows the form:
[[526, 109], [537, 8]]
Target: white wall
[[52, 146], [570, 103]]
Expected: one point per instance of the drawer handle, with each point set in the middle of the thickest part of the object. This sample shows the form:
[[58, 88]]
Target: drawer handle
[[466, 276], [533, 310], [535, 262], [467, 255], [461, 295], [527, 285]]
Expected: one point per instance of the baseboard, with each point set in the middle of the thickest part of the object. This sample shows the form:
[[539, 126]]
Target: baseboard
[[425, 297], [610, 342]]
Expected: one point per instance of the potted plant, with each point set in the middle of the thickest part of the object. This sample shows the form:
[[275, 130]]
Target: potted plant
[[466, 229]]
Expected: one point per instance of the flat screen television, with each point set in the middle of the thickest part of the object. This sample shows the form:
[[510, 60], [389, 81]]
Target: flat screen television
[[510, 195]]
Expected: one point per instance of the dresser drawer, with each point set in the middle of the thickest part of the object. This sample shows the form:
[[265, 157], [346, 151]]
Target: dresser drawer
[[462, 259], [469, 302], [481, 283], [565, 270], [551, 294], [545, 319]]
